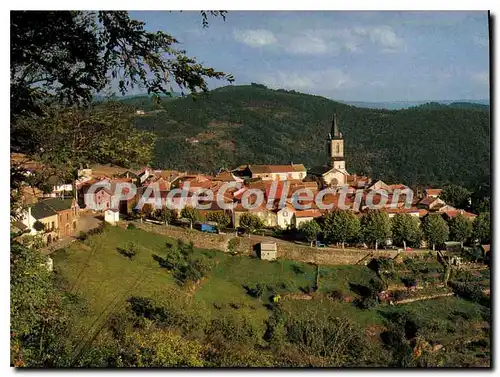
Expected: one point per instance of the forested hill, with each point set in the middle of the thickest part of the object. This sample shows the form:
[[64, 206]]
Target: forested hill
[[430, 144]]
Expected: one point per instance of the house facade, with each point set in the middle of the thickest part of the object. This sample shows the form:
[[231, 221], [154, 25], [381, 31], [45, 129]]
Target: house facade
[[41, 221], [273, 172], [67, 215]]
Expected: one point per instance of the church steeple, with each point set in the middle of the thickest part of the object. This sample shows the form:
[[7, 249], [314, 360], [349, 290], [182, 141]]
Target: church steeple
[[336, 146], [335, 134]]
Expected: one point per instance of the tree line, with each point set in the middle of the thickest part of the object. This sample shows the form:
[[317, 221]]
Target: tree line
[[375, 227]]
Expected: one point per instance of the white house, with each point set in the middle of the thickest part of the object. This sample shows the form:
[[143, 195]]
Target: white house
[[273, 172], [111, 216], [305, 215], [285, 216]]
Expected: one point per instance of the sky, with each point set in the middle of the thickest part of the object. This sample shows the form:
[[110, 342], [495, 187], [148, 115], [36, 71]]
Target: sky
[[350, 56]]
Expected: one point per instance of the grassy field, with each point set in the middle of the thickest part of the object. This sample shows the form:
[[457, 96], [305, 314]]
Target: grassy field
[[96, 271]]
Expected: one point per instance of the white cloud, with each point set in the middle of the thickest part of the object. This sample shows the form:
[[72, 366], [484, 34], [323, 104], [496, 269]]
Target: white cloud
[[255, 38], [482, 78], [318, 81], [307, 44], [324, 41], [387, 38]]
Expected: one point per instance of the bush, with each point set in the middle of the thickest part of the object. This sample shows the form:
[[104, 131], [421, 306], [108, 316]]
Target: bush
[[38, 226], [409, 282], [366, 302], [130, 251], [400, 295], [470, 291], [193, 271], [255, 290], [96, 231], [82, 236], [377, 286], [336, 295], [131, 226]]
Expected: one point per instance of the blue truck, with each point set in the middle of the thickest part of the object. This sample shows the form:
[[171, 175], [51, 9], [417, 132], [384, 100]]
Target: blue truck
[[208, 228]]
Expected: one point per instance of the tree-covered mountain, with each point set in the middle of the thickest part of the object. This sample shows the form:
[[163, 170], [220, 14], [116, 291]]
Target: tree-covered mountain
[[233, 125], [399, 105]]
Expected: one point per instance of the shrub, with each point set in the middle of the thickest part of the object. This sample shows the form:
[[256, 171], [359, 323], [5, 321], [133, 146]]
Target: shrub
[[95, 231], [256, 290], [409, 282], [366, 302], [130, 251], [38, 226], [377, 286], [131, 226], [193, 271], [470, 291], [336, 295], [82, 236], [400, 295]]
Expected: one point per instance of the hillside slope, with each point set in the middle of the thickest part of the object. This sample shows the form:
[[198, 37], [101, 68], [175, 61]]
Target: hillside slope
[[252, 124]]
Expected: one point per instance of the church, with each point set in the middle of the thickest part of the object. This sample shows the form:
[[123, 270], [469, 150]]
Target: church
[[334, 174]]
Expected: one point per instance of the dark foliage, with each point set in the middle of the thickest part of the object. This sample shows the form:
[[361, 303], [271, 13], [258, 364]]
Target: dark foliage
[[257, 125]]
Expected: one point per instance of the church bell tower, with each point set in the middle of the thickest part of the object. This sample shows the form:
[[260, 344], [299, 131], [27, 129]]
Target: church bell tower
[[336, 146]]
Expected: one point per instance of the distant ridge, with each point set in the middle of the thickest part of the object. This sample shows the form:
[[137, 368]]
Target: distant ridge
[[234, 125], [398, 105]]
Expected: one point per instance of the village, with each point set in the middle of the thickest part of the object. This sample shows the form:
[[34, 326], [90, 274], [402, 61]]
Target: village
[[72, 207], [265, 189]]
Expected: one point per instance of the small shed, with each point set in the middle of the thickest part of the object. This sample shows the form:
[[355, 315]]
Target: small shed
[[111, 216], [268, 250]]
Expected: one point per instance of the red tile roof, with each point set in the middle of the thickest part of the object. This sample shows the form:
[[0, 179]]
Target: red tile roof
[[226, 176], [428, 200], [239, 208], [262, 169], [308, 213], [422, 212], [433, 192], [404, 210], [452, 214]]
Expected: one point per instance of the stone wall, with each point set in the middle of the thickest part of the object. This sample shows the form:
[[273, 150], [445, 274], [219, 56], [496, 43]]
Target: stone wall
[[246, 245], [199, 239]]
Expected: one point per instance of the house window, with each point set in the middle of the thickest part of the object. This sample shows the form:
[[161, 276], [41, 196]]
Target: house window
[[338, 148], [53, 226], [67, 216]]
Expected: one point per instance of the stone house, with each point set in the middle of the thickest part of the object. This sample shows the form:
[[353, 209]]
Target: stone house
[[67, 212]]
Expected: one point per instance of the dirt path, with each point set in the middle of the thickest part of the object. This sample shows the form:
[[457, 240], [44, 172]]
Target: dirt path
[[430, 297]]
